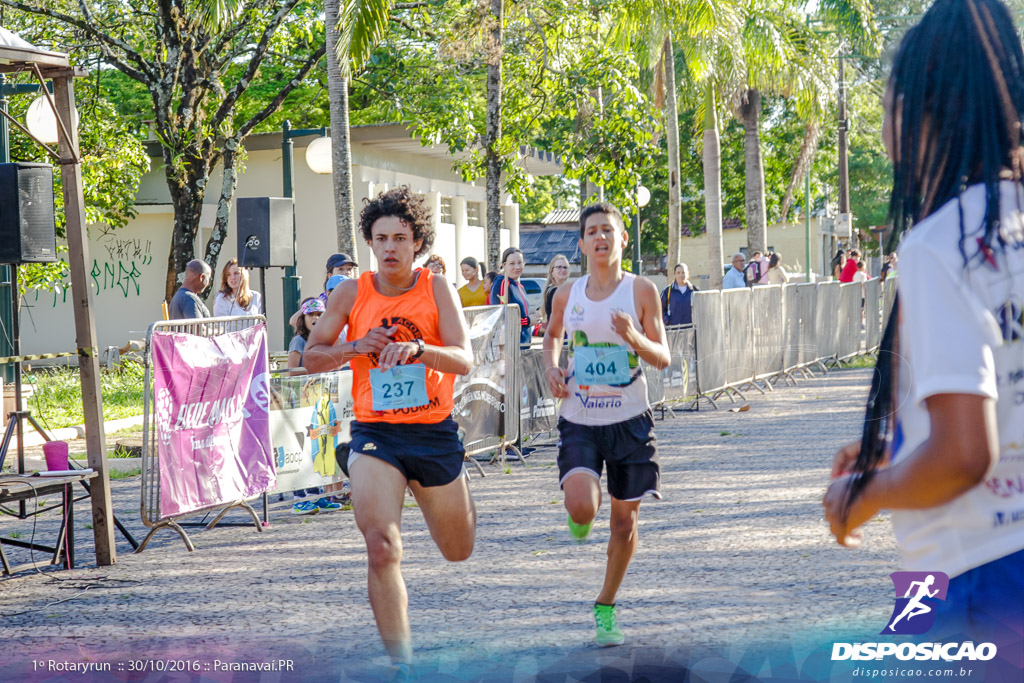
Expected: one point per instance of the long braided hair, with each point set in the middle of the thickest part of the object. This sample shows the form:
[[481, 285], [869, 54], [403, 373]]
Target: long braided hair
[[955, 99]]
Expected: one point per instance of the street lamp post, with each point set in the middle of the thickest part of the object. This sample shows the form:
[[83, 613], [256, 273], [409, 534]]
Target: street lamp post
[[291, 280], [643, 198]]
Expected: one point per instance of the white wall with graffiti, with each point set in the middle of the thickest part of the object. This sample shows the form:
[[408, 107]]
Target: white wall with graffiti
[[129, 265]]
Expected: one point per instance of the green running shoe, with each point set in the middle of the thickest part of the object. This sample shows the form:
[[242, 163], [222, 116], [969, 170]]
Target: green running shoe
[[580, 531], [608, 632]]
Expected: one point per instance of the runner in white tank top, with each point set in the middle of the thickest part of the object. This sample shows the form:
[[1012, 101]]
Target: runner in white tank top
[[588, 323], [614, 321]]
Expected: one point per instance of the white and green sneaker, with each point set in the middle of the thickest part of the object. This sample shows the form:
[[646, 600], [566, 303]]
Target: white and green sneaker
[[580, 531], [608, 632]]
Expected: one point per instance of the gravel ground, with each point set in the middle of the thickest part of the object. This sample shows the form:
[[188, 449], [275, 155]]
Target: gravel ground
[[736, 554]]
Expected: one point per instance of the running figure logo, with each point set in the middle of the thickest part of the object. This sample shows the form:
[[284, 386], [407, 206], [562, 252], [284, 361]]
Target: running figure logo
[[916, 596]]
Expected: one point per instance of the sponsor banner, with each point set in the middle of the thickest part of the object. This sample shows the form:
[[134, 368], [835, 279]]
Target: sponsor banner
[[213, 426], [310, 419], [480, 395]]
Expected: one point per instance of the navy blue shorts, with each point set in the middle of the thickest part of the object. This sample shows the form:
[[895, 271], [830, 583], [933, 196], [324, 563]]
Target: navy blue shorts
[[629, 449], [430, 454]]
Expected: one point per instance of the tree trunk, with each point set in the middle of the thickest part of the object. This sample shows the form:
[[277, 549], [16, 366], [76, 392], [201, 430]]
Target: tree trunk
[[228, 186], [757, 224], [713, 190], [493, 135], [672, 139], [341, 146], [187, 198]]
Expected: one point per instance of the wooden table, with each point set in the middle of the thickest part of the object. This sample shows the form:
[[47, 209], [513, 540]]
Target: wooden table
[[15, 488]]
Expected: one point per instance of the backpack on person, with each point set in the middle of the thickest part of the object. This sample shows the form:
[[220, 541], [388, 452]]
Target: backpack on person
[[752, 273]]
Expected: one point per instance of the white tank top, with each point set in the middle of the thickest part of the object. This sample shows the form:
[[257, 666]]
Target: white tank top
[[589, 323]]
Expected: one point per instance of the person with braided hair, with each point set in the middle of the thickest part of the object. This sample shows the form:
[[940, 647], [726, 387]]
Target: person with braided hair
[[943, 437]]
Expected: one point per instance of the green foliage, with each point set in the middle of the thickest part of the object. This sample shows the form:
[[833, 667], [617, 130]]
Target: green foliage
[[113, 163], [57, 397], [548, 193]]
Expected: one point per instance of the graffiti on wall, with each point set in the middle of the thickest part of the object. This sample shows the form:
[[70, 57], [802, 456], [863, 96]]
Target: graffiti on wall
[[118, 272]]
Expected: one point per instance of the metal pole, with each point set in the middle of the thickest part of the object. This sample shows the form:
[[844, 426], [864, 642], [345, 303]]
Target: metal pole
[[291, 281], [844, 167], [807, 223], [6, 311], [637, 263]]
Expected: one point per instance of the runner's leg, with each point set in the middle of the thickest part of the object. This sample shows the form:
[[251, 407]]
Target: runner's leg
[[582, 496], [378, 490], [450, 515], [622, 544]]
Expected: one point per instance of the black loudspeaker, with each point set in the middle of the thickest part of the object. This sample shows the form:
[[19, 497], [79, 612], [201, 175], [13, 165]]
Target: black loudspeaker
[[265, 231], [27, 230]]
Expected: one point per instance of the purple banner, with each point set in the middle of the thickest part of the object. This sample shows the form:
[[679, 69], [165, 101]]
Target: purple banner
[[213, 424]]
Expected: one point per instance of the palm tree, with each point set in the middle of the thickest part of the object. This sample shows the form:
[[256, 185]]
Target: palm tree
[[353, 27], [651, 26]]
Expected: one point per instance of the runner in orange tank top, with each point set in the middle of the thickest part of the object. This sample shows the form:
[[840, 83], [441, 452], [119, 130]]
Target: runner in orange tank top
[[406, 341]]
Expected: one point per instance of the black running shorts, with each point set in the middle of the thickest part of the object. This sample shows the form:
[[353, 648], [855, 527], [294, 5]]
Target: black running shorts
[[629, 449], [430, 454]]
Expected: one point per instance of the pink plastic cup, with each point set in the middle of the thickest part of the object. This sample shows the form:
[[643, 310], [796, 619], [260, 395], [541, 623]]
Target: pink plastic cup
[[56, 454]]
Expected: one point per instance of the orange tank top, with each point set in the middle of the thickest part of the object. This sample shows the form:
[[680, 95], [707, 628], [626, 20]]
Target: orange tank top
[[415, 315]]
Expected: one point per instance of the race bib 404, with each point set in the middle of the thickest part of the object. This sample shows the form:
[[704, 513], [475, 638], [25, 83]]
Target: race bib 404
[[601, 365]]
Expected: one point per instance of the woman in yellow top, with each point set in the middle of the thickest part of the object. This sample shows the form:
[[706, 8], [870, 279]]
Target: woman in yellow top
[[473, 293]]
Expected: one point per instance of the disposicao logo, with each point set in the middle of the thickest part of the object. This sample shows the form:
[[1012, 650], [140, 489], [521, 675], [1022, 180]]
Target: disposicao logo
[[917, 595]]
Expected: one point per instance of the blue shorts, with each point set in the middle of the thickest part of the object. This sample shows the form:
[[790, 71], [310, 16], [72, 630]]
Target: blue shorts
[[629, 449], [431, 454], [986, 604]]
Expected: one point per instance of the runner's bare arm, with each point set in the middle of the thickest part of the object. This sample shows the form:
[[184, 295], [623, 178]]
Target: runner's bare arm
[[322, 355], [454, 356], [650, 343], [553, 343], [960, 450]]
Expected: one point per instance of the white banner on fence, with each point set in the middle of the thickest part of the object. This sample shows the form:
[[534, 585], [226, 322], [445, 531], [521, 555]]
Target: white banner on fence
[[310, 423]]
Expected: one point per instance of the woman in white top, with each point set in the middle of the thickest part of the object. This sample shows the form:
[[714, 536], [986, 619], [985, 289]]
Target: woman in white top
[[777, 275], [943, 438], [235, 297]]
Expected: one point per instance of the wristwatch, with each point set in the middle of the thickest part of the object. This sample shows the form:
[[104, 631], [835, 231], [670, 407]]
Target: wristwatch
[[421, 349]]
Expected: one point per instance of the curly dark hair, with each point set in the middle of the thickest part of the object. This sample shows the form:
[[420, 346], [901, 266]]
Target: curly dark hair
[[405, 205]]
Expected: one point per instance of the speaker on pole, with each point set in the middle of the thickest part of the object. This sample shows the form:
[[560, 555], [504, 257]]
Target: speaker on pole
[[27, 230], [264, 231]]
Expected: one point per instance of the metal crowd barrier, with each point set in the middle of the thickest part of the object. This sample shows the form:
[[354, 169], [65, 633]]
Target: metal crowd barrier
[[150, 504], [495, 382]]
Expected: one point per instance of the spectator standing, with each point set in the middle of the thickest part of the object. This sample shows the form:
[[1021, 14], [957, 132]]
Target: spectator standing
[[489, 279], [677, 298], [341, 264], [186, 303], [558, 274], [889, 267], [235, 297], [942, 443], [861, 275], [436, 264], [838, 263], [850, 267], [756, 270], [777, 275], [474, 292], [734, 278], [310, 310], [508, 289]]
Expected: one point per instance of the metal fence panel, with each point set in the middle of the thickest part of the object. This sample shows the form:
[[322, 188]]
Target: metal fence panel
[[710, 338], [738, 338], [850, 317], [888, 297], [768, 329], [791, 328], [807, 300], [826, 325], [872, 314], [679, 379], [206, 327]]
